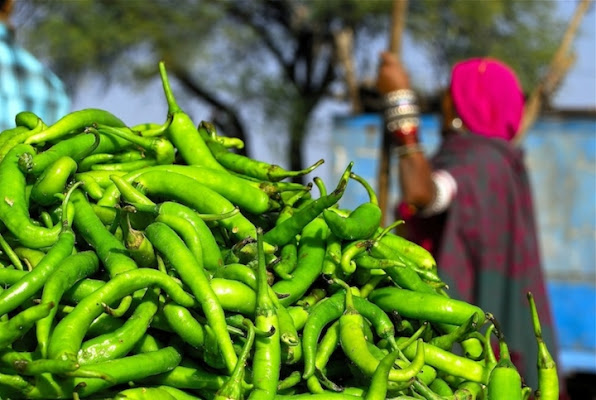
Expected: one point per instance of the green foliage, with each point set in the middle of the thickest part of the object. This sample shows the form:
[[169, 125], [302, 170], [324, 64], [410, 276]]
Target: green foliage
[[524, 34]]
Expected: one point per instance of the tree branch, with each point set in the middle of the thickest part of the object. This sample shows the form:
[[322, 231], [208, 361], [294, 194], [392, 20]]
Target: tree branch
[[265, 34], [344, 43], [224, 115]]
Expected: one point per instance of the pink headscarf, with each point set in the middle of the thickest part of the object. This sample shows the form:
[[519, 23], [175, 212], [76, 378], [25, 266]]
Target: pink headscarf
[[487, 97]]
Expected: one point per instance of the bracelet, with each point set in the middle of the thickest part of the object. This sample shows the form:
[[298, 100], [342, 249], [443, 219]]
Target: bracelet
[[402, 111], [406, 150], [403, 124], [398, 97]]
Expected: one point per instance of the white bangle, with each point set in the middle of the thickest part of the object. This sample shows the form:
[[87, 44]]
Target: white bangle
[[445, 190], [403, 110], [398, 97], [408, 149]]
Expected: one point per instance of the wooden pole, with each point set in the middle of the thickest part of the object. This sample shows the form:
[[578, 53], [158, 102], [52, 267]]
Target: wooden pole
[[398, 19], [561, 62]]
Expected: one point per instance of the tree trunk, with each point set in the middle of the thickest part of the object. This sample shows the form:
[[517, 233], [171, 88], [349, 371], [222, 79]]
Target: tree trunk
[[297, 130]]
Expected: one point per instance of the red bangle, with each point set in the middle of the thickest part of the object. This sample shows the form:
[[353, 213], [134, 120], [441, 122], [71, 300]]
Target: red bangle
[[406, 135]]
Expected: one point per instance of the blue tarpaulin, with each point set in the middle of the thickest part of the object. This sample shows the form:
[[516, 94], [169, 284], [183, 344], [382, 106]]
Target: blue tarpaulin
[[561, 159]]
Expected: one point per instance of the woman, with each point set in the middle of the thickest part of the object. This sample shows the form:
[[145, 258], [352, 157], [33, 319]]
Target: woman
[[471, 204]]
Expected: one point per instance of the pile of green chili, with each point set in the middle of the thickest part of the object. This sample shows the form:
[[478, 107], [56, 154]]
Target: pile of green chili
[[156, 262]]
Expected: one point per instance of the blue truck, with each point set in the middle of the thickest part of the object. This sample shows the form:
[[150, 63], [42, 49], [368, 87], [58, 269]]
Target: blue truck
[[561, 158]]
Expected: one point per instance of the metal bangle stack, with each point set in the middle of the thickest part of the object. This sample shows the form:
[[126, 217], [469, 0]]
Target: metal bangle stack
[[401, 110], [402, 119]]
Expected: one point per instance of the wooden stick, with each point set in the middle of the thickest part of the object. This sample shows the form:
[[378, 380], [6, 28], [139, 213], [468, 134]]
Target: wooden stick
[[559, 66], [398, 19]]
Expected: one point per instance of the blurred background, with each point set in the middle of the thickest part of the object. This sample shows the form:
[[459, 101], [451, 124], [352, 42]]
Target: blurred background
[[294, 80]]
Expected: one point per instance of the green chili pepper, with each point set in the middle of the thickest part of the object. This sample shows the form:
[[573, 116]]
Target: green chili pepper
[[233, 388], [504, 381], [311, 252], [267, 355], [212, 257], [26, 119], [248, 166], [170, 185], [192, 274], [71, 270], [318, 396], [331, 309], [101, 158], [284, 232], [75, 121], [111, 251], [119, 342], [192, 377], [31, 257], [187, 232], [332, 256], [353, 343], [410, 250], [160, 147], [126, 369], [289, 381], [183, 133], [68, 334], [446, 341], [234, 296], [14, 211], [129, 166], [19, 130], [548, 379], [19, 138], [184, 324], [362, 223], [77, 148], [449, 363], [378, 384], [140, 248], [440, 387], [30, 283], [18, 325], [144, 393], [53, 181], [9, 252], [425, 306]]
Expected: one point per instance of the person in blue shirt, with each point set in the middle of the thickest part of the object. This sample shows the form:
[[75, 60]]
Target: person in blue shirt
[[25, 83]]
